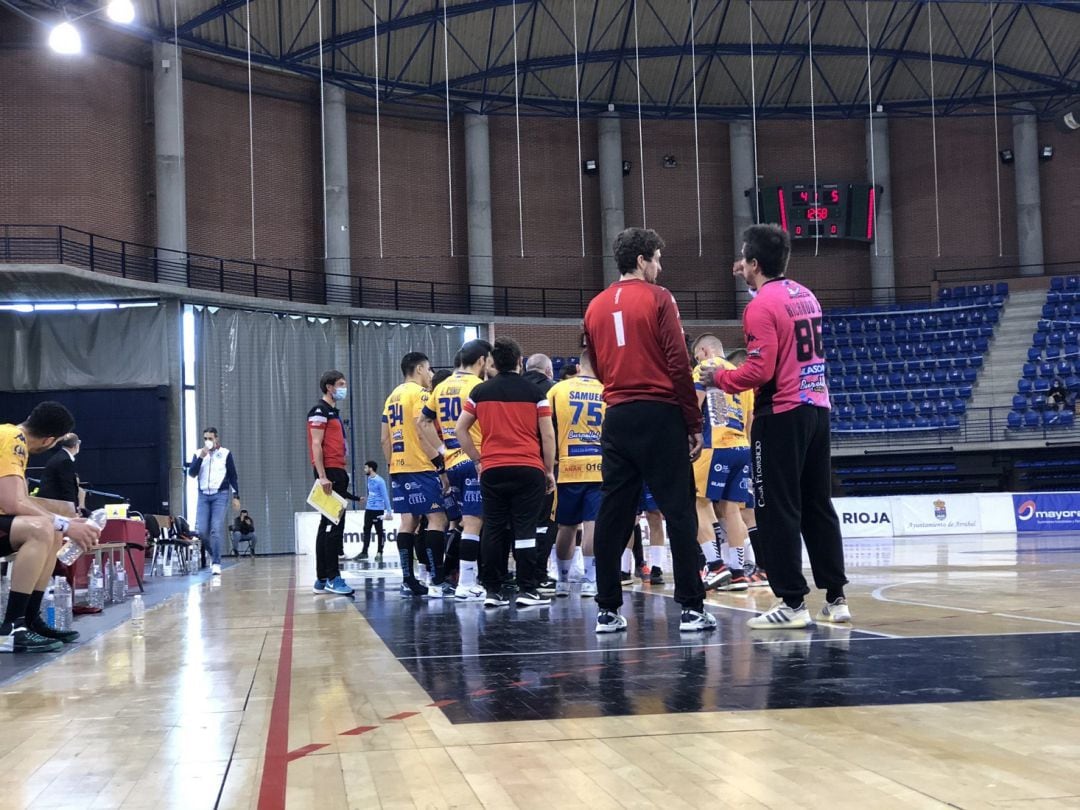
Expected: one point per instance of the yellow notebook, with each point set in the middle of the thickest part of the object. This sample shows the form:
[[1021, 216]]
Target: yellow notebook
[[331, 506]]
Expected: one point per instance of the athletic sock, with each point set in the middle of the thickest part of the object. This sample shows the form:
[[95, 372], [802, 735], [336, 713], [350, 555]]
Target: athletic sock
[[590, 569], [33, 606], [720, 537], [657, 555], [627, 560], [732, 558], [16, 608], [752, 555], [469, 549], [710, 552], [467, 576], [405, 543], [435, 548], [564, 569]]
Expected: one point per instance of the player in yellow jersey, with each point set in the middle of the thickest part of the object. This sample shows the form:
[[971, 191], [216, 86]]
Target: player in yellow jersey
[[722, 472], [441, 413], [415, 467], [577, 408]]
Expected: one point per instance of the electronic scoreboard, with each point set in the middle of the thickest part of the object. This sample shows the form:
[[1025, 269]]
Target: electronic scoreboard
[[825, 210]]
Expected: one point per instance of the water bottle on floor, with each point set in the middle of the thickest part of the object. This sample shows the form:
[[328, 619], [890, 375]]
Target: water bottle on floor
[[69, 552], [48, 607], [120, 584], [107, 582], [64, 608], [138, 614], [96, 587]]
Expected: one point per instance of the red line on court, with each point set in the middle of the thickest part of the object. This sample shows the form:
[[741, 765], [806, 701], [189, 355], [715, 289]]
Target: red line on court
[[438, 704], [276, 761], [401, 715], [303, 752], [356, 732]]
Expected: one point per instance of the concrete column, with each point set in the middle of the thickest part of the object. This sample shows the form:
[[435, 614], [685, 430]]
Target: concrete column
[[612, 213], [338, 266], [741, 150], [1029, 236], [478, 196], [882, 271], [174, 312], [171, 184]]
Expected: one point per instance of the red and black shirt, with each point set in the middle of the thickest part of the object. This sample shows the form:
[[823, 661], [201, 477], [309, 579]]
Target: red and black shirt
[[327, 418], [508, 408]]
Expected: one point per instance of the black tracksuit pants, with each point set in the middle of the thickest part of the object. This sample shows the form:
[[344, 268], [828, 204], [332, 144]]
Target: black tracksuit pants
[[790, 459], [512, 497], [373, 519], [330, 540], [646, 442]]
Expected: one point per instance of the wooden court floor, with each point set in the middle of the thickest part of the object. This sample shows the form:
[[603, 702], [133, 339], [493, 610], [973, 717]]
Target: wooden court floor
[[957, 687]]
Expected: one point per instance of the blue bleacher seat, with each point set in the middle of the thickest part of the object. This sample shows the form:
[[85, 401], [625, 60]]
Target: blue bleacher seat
[[1042, 385], [1020, 402], [1057, 283], [1015, 419], [1024, 386], [1031, 419]]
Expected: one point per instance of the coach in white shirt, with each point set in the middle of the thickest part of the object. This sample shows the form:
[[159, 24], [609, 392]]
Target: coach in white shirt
[[213, 466]]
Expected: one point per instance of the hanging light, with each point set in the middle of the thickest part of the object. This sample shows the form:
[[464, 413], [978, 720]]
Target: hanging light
[[64, 38], [121, 11]]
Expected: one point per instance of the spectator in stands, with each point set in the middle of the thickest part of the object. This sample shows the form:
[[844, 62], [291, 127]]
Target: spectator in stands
[[214, 467], [33, 531], [59, 481], [1058, 395], [243, 531]]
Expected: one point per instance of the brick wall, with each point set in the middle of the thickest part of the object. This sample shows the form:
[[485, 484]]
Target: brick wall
[[1059, 184]]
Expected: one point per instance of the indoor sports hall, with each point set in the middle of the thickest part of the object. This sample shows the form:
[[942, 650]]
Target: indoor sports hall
[[205, 205]]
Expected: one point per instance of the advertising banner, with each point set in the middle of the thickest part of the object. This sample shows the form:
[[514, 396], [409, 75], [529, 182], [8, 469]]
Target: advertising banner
[[938, 514], [864, 517], [1047, 511], [306, 524]]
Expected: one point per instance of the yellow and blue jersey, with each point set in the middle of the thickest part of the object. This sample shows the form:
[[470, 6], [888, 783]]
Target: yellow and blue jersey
[[445, 406], [724, 414], [400, 412], [577, 405]]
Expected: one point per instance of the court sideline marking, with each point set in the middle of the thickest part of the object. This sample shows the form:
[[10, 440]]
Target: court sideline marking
[[276, 760], [879, 595]]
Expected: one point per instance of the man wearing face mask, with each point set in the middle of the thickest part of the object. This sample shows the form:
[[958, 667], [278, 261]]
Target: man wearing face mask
[[214, 467], [326, 442], [59, 481]]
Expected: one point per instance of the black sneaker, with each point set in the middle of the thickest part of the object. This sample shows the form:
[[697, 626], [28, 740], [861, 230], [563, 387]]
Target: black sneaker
[[411, 586], [547, 586], [19, 638], [531, 599], [656, 576], [362, 556], [66, 636], [627, 578]]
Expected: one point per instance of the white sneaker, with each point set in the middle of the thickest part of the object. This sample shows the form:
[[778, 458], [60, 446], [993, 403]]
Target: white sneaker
[[694, 621], [215, 570], [835, 612], [588, 589], [608, 621], [716, 578], [469, 593], [562, 589], [782, 617]]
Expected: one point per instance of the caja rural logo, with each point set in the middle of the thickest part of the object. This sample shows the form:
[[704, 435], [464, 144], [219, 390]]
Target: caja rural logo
[[1026, 510]]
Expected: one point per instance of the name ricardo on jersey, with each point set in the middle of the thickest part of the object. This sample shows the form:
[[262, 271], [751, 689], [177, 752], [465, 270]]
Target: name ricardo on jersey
[[798, 308]]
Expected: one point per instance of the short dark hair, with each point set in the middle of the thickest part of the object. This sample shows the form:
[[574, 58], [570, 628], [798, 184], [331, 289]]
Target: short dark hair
[[329, 379], [770, 246], [474, 351], [457, 359], [634, 242], [49, 420], [439, 376], [243, 511], [506, 353], [211, 430], [410, 362], [373, 464]]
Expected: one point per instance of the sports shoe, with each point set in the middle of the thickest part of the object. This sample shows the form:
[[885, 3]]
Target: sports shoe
[[782, 617], [378, 558], [43, 630], [694, 621], [495, 599], [319, 586], [588, 588], [215, 570], [411, 586], [361, 556], [531, 599], [717, 577], [609, 621], [656, 576], [444, 590], [627, 578], [19, 638], [738, 582], [548, 586], [644, 573], [562, 589], [835, 612], [470, 593], [339, 586], [758, 578]]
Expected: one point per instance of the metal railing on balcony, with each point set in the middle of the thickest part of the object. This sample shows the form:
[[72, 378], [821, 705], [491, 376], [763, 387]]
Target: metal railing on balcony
[[59, 244]]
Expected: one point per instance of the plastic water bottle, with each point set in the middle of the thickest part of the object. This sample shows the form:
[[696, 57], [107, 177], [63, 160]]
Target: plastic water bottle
[[96, 587], [107, 582], [69, 552], [64, 608], [138, 614], [120, 585], [48, 607], [5, 589]]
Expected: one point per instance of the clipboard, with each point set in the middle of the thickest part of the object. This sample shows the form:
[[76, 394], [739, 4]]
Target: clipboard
[[331, 506]]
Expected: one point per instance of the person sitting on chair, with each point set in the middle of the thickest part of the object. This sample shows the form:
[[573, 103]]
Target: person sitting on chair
[[243, 531]]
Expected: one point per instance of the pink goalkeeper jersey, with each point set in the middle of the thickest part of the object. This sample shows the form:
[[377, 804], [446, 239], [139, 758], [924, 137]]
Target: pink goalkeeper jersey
[[785, 359]]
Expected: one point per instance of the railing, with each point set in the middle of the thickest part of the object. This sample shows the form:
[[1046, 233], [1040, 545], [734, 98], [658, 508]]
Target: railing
[[977, 426], [970, 275], [59, 244]]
